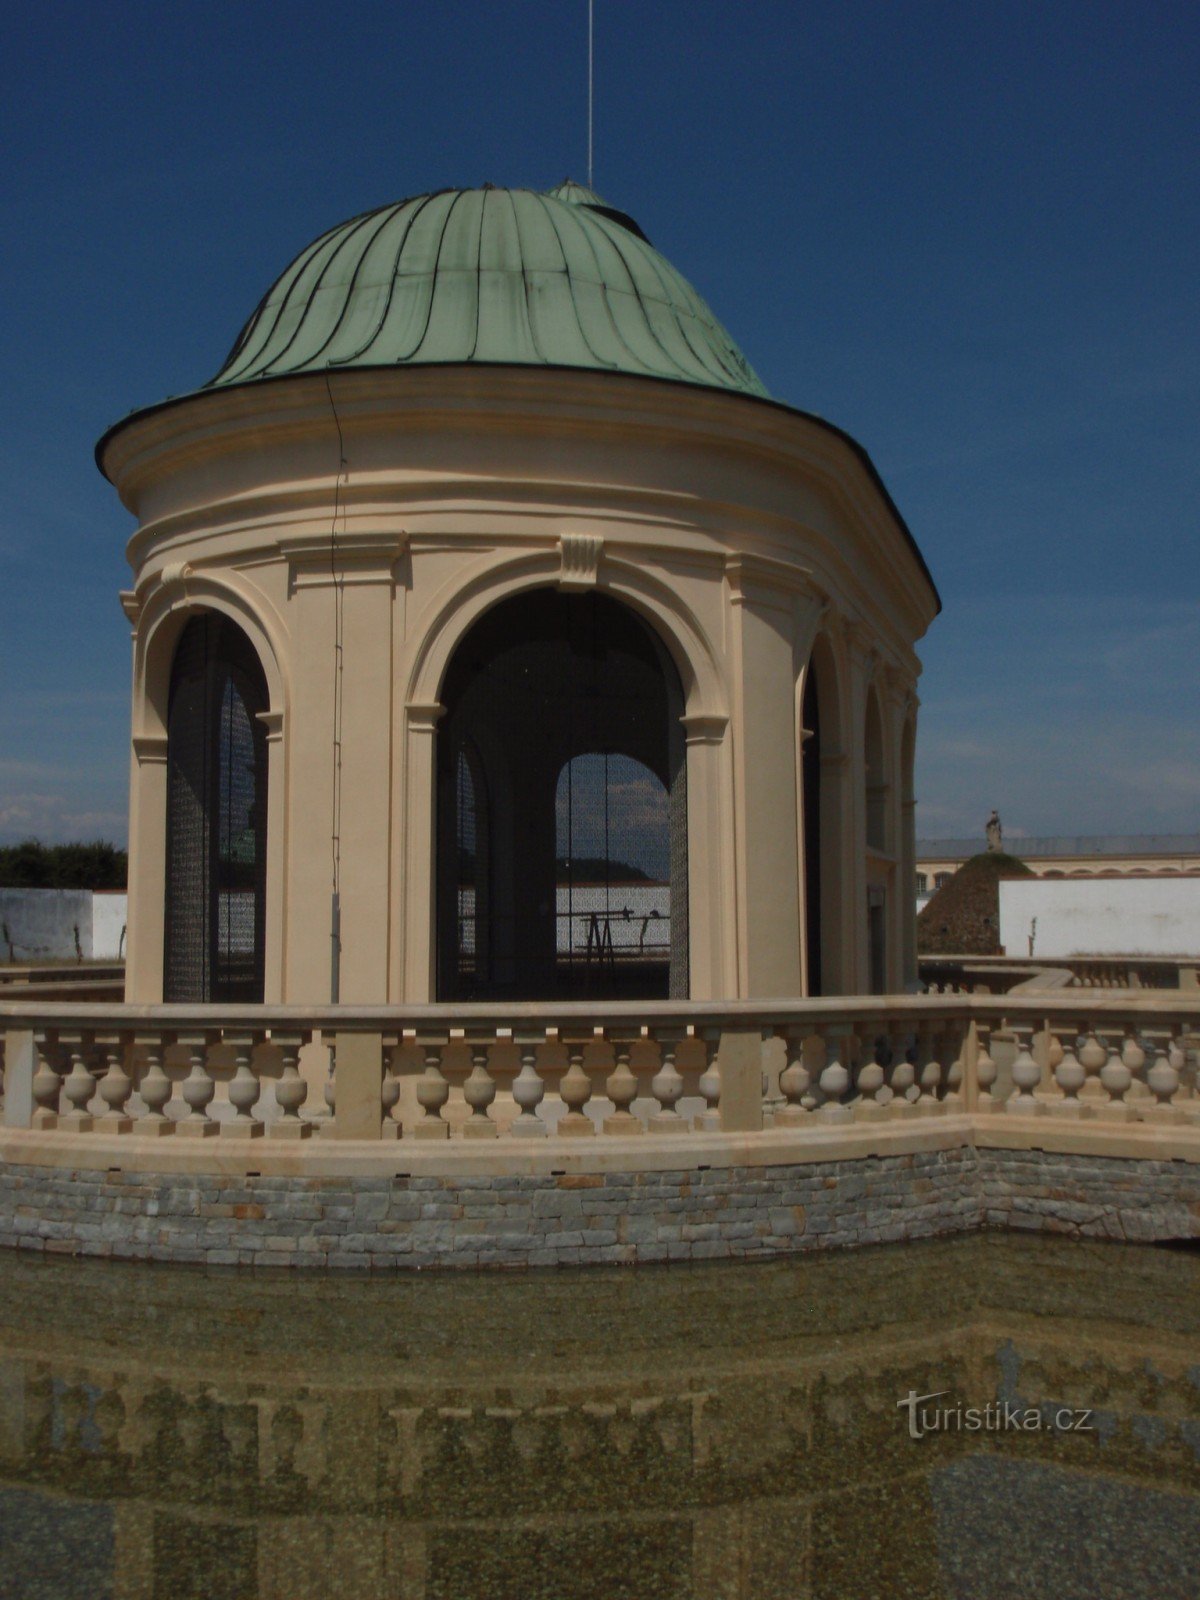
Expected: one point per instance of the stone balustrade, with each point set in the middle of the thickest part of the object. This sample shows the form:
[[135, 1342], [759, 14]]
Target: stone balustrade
[[549, 1135], [474, 1074], [950, 974]]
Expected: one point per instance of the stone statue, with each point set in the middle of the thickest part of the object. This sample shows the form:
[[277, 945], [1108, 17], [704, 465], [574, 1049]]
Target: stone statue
[[995, 834]]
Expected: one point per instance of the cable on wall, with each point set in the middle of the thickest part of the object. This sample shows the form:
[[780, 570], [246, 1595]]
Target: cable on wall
[[335, 826]]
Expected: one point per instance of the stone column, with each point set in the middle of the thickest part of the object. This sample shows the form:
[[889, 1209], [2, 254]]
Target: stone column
[[20, 1064], [856, 977], [353, 582], [712, 955], [766, 822], [147, 868], [900, 889], [276, 917], [364, 819], [418, 883], [907, 872]]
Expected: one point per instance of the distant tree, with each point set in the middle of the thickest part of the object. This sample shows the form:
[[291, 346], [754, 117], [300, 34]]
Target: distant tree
[[599, 869], [33, 865]]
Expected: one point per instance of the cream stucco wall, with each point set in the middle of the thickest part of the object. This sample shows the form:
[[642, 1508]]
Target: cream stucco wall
[[746, 535]]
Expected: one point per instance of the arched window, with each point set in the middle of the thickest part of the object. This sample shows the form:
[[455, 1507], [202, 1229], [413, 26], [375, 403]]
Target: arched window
[[216, 817], [562, 807], [472, 878], [613, 856]]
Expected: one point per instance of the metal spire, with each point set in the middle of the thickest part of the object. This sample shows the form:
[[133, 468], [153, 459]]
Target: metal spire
[[591, 80]]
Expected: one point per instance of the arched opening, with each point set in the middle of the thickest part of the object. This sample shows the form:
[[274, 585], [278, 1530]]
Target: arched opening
[[561, 807], [215, 911]]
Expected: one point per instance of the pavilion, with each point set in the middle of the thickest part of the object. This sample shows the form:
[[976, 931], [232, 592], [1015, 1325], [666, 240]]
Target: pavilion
[[496, 636]]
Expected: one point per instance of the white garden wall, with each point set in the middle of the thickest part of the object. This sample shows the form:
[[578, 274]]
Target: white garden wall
[[50, 925], [1100, 916]]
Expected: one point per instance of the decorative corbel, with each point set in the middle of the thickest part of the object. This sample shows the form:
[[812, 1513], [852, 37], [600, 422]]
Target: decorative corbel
[[580, 554]]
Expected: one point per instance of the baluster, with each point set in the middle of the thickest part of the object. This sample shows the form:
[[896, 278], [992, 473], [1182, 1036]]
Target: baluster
[[479, 1091], [796, 1083], [109, 1415], [773, 1098], [324, 1117], [197, 1090], [1187, 1098], [872, 1075], [244, 1091], [1134, 1057], [622, 1088], [389, 1088], [1092, 1057], [433, 1090], [291, 1091], [78, 1088], [155, 1089], [73, 1408], [903, 1075], [528, 1091], [1026, 1075], [928, 1069], [709, 1084], [47, 1081], [1070, 1074], [116, 1086], [985, 1070], [575, 1090], [1116, 1078], [667, 1087], [954, 1044], [1163, 1081], [834, 1079]]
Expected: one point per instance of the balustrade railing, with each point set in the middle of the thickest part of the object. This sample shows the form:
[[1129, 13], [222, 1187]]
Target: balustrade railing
[[950, 974], [576, 1072]]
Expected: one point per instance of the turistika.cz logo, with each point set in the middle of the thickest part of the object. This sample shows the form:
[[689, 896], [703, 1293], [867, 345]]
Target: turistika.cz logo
[[996, 1417]]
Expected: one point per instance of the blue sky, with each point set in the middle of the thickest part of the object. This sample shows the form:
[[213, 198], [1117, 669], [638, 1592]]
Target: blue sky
[[965, 233]]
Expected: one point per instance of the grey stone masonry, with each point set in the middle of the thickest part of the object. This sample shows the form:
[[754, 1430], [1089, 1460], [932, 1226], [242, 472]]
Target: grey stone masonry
[[385, 1223], [1095, 1197], [515, 1220]]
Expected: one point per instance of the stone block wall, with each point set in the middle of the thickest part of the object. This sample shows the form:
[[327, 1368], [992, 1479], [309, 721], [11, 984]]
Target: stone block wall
[[405, 1221], [509, 1221], [1095, 1197]]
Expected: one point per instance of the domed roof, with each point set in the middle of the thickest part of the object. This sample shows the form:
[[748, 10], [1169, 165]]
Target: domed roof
[[506, 276]]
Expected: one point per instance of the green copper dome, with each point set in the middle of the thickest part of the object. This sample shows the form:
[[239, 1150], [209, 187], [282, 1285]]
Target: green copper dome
[[506, 276]]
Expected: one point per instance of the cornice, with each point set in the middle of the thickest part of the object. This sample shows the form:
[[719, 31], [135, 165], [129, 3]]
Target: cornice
[[150, 749], [424, 715], [766, 580], [499, 400], [704, 727]]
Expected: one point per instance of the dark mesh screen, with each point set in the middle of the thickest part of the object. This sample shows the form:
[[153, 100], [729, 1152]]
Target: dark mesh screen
[[562, 809], [216, 817]]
